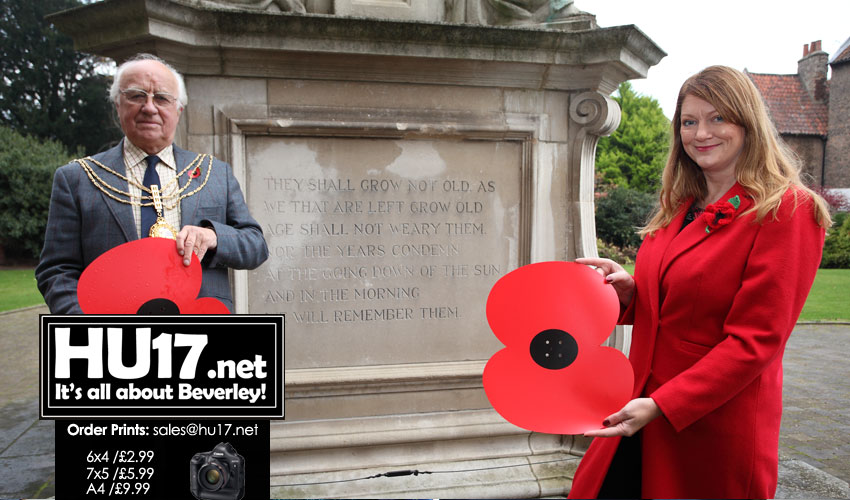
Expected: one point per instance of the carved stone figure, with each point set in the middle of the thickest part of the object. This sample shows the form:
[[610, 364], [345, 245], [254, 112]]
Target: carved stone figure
[[558, 13], [562, 14], [264, 5], [509, 12]]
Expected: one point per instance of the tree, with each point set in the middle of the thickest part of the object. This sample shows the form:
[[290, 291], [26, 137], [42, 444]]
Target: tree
[[47, 89], [620, 212], [634, 155], [26, 173], [836, 247]]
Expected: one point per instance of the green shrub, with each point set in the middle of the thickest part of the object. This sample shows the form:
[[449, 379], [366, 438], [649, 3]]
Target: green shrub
[[619, 213], [26, 177], [836, 248], [622, 256]]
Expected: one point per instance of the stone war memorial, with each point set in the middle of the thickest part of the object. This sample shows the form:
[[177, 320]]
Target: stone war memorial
[[401, 156]]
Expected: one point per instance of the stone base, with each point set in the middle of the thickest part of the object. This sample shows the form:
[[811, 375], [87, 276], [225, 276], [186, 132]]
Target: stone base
[[468, 454], [497, 123], [797, 479]]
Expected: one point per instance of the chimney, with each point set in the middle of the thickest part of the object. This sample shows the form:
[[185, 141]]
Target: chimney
[[812, 69]]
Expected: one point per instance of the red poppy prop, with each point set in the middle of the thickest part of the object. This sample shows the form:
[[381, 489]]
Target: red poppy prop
[[553, 376], [195, 173], [145, 276]]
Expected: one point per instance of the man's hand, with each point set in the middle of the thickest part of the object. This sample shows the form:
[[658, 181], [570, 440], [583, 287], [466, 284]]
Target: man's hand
[[632, 418], [195, 239]]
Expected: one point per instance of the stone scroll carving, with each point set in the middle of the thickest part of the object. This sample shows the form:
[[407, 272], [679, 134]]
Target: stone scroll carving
[[592, 115], [598, 113]]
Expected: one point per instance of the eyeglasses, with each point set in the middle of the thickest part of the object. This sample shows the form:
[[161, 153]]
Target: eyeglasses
[[140, 97]]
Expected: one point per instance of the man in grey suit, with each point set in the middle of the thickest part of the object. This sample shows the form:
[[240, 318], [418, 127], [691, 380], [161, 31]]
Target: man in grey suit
[[104, 201]]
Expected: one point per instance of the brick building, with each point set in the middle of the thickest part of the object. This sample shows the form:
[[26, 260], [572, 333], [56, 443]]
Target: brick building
[[838, 134], [812, 113]]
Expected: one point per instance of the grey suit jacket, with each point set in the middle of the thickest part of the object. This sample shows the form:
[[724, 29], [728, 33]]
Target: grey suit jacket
[[84, 222]]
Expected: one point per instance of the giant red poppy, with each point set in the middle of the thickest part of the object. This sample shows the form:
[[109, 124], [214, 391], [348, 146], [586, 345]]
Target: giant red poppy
[[144, 276], [553, 376]]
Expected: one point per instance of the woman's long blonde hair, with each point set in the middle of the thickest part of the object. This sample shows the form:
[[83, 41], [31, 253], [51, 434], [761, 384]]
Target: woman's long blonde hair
[[766, 168]]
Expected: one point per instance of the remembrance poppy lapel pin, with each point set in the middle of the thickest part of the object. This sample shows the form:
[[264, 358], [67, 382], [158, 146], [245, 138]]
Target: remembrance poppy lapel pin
[[144, 276], [720, 213], [554, 376]]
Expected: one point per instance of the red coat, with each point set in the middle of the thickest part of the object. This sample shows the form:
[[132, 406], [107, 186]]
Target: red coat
[[711, 316]]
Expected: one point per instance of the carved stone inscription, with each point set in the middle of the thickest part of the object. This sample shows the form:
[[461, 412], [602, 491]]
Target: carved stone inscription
[[383, 251]]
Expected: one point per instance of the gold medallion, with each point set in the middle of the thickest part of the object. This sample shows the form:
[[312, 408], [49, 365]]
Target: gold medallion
[[160, 228]]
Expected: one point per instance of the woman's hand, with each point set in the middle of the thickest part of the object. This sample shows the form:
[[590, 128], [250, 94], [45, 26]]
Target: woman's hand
[[615, 275], [632, 418]]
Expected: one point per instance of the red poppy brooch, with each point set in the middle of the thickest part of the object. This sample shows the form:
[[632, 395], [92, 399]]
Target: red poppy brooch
[[553, 376], [720, 213], [145, 276]]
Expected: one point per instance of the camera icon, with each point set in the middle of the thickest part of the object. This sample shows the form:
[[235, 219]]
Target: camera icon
[[218, 474]]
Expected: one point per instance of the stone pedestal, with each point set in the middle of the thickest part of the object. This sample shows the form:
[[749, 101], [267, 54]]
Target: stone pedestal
[[398, 170]]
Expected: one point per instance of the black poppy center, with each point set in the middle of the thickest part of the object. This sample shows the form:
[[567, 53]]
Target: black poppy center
[[161, 307], [553, 349]]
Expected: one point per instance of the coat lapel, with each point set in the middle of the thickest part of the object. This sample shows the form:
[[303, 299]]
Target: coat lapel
[[647, 271], [123, 212], [682, 241], [660, 244]]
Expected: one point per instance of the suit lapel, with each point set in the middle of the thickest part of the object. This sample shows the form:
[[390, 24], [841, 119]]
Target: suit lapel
[[188, 205], [123, 212]]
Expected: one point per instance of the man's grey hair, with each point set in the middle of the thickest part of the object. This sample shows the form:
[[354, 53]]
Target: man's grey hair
[[115, 89]]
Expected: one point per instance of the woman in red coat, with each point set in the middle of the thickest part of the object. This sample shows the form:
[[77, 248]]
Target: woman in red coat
[[722, 275]]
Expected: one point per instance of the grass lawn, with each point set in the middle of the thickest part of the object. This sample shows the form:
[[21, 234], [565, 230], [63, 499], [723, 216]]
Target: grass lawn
[[829, 299], [18, 289]]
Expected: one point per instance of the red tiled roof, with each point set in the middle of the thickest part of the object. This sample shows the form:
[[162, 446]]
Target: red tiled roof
[[792, 109]]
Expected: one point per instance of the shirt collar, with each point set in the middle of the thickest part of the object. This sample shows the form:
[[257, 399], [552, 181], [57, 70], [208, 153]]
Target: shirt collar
[[136, 155]]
